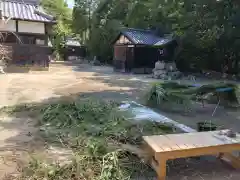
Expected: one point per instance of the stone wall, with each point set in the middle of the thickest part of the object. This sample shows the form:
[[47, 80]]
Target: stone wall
[[166, 71]]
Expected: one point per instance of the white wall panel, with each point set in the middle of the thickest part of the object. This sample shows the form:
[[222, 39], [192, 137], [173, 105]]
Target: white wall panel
[[8, 26], [31, 27]]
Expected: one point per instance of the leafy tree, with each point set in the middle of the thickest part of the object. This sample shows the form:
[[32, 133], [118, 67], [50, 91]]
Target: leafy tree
[[83, 17], [208, 29], [63, 28]]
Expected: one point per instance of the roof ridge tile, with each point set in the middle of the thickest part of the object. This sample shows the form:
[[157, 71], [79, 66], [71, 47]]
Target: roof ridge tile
[[23, 11]]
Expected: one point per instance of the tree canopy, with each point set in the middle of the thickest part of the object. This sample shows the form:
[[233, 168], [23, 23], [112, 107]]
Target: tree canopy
[[208, 29], [59, 9]]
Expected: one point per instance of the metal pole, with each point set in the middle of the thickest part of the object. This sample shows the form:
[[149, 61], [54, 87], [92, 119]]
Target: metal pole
[[216, 107]]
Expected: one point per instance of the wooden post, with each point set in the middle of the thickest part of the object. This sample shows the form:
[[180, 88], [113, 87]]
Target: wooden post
[[231, 159], [162, 169]]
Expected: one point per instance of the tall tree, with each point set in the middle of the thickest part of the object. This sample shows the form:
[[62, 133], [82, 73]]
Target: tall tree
[[59, 9], [208, 28], [82, 17]]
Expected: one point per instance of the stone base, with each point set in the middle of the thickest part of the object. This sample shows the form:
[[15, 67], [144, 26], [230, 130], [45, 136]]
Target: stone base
[[174, 75], [170, 67], [166, 71]]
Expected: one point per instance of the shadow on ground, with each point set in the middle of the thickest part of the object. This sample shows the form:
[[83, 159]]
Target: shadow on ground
[[223, 117], [106, 75], [21, 135], [19, 128]]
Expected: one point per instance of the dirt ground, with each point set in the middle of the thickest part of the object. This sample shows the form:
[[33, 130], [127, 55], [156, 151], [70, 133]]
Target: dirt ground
[[66, 79]]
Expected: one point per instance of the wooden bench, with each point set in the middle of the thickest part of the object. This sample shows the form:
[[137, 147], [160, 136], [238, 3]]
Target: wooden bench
[[165, 147]]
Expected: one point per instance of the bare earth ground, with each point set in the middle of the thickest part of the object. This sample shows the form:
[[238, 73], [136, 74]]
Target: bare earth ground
[[64, 79]]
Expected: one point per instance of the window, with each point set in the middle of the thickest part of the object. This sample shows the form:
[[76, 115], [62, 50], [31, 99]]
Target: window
[[32, 39], [40, 41], [27, 39]]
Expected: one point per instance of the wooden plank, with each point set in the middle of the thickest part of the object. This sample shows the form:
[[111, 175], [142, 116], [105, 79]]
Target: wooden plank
[[234, 140], [161, 143], [204, 140], [226, 139], [223, 138], [165, 143], [191, 140], [162, 169], [174, 142], [150, 141], [211, 150], [234, 161], [195, 140], [181, 141], [188, 145]]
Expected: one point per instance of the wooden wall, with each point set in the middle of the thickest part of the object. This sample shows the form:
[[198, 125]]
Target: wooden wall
[[30, 56], [24, 27], [123, 40], [120, 57]]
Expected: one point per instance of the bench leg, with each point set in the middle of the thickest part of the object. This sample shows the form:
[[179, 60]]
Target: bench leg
[[162, 169], [220, 155], [234, 161]]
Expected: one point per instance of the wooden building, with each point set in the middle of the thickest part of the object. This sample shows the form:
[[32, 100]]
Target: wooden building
[[73, 49], [25, 30], [137, 50]]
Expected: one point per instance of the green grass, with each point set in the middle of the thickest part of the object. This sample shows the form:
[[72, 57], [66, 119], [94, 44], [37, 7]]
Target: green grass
[[105, 145]]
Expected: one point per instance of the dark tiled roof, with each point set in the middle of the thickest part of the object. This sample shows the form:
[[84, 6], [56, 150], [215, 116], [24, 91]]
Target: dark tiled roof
[[146, 37], [20, 10]]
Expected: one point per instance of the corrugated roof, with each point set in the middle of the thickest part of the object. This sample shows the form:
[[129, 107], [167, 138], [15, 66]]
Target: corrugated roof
[[146, 37], [163, 41], [72, 42], [20, 10]]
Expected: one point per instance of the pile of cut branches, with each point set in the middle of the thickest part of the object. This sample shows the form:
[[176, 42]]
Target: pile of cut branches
[[183, 94], [105, 145]]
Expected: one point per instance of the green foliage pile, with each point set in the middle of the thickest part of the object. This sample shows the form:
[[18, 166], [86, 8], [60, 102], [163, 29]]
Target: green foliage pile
[[183, 94], [105, 145]]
